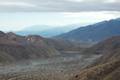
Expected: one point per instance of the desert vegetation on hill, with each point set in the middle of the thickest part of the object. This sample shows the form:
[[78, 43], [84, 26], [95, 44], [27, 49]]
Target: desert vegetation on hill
[[108, 66], [104, 71], [35, 60]]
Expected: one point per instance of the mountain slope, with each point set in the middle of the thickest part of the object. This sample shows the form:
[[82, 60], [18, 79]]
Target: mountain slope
[[14, 47], [107, 71], [108, 66], [96, 32]]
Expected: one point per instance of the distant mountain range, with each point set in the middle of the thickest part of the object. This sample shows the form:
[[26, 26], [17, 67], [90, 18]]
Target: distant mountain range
[[102, 60], [46, 31], [106, 66], [94, 33]]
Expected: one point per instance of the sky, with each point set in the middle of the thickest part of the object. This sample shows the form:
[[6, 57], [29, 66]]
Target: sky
[[16, 15]]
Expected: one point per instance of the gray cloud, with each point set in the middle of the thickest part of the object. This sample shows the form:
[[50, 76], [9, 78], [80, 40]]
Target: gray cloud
[[58, 5]]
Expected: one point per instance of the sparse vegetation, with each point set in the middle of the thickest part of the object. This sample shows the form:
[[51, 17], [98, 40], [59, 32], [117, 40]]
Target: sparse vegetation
[[55, 68], [36, 58], [105, 68]]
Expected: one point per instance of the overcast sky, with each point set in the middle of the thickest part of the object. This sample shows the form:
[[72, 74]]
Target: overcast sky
[[18, 14], [59, 5]]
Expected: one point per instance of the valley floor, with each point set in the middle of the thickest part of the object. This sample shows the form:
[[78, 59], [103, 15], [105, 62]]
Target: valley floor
[[55, 68]]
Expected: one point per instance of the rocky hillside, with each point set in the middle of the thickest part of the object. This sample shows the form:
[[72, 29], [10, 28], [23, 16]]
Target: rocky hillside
[[14, 47], [108, 66]]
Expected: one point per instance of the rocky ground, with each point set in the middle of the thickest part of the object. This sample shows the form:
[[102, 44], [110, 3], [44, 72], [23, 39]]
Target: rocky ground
[[54, 68]]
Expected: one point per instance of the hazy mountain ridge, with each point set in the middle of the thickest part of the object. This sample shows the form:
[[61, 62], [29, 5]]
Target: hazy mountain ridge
[[96, 32], [46, 31]]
